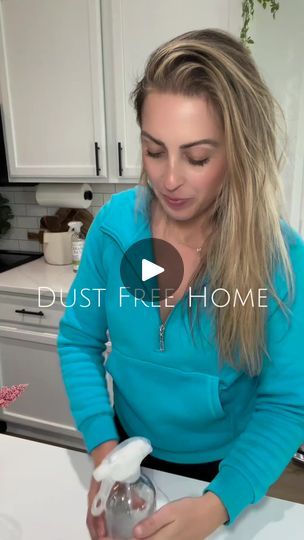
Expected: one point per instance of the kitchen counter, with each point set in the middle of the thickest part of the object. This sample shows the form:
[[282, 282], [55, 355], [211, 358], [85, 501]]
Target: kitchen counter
[[44, 491], [28, 277]]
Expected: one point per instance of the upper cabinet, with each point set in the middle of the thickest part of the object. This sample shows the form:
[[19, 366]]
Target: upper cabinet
[[64, 62], [132, 29], [51, 81]]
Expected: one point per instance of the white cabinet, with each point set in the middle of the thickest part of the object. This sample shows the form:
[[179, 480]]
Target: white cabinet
[[51, 79], [131, 31], [28, 355]]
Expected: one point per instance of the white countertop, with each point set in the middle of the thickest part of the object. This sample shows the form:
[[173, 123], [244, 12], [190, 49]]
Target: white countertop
[[27, 278], [43, 495]]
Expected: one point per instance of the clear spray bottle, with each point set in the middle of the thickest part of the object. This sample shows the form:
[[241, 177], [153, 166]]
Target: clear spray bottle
[[77, 242], [126, 496]]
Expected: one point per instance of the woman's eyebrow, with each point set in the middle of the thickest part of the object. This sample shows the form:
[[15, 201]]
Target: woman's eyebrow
[[210, 142]]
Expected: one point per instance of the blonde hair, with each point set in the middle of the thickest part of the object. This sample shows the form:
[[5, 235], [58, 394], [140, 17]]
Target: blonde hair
[[247, 242]]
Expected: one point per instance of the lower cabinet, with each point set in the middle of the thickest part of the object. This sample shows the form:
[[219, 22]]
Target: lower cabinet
[[29, 356]]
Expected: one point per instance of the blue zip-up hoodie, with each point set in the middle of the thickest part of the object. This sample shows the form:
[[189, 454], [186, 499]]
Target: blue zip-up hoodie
[[191, 410]]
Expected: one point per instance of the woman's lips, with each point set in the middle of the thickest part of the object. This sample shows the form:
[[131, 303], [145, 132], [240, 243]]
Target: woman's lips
[[175, 203]]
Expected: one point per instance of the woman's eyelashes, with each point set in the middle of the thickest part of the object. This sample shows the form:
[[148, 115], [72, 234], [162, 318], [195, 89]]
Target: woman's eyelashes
[[157, 155], [153, 154], [200, 162]]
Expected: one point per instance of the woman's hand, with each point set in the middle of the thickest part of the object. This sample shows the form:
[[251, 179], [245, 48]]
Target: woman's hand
[[96, 524], [185, 519]]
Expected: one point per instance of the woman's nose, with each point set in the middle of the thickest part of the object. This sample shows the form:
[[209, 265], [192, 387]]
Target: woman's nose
[[172, 177]]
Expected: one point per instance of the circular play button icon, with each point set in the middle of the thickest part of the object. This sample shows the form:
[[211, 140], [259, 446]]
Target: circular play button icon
[[152, 269]]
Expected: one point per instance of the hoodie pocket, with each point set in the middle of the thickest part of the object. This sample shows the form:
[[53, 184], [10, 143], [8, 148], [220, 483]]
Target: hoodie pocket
[[162, 400]]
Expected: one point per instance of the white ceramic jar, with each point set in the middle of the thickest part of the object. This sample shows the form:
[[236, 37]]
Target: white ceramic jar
[[57, 247]]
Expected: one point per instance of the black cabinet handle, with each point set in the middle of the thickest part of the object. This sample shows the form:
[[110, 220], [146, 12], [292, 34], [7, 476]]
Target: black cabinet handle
[[97, 148], [120, 159], [25, 312]]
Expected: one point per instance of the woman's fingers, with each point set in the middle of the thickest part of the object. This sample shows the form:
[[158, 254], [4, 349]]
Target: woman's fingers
[[137, 502], [95, 524]]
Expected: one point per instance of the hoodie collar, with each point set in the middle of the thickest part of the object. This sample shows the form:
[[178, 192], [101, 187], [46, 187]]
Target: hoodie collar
[[128, 217]]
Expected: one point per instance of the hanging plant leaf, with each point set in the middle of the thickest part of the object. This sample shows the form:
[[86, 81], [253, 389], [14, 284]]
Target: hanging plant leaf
[[248, 7]]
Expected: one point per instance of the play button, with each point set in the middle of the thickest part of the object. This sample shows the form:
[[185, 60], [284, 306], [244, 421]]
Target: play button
[[152, 270], [149, 270]]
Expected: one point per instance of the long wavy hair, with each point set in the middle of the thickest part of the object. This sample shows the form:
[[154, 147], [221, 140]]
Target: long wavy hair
[[247, 242]]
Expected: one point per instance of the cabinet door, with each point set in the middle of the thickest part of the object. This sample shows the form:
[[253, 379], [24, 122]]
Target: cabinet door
[[52, 88], [31, 357], [132, 30]]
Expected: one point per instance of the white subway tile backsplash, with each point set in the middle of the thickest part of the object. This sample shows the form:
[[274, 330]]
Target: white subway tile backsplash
[[15, 233], [36, 210], [9, 195], [24, 188], [13, 221], [106, 198], [25, 197], [28, 222], [9, 244], [29, 188], [103, 188], [122, 187], [98, 199], [95, 210], [51, 211], [30, 245], [18, 209], [27, 213]]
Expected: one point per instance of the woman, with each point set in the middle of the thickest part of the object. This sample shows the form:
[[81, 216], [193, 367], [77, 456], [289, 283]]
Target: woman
[[222, 399]]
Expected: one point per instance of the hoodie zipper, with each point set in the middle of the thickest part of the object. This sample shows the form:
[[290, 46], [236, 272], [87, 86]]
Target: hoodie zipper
[[162, 337], [162, 327], [162, 330]]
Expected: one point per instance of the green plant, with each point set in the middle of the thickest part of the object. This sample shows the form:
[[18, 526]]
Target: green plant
[[248, 7], [5, 214]]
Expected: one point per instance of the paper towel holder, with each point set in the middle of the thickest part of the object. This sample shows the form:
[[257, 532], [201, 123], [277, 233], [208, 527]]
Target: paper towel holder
[[64, 195]]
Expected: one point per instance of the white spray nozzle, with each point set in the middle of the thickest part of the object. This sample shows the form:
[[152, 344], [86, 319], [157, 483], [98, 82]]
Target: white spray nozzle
[[121, 465], [75, 226]]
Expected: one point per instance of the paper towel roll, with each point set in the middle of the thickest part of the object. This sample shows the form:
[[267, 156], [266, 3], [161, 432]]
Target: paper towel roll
[[64, 195]]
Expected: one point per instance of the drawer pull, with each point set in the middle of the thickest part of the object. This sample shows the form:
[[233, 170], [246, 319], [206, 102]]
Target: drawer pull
[[26, 312]]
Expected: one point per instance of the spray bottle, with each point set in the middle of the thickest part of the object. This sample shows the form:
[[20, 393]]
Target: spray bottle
[[77, 242], [126, 496]]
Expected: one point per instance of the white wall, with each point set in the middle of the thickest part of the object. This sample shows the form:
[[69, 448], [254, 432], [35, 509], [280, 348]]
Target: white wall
[[278, 51]]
